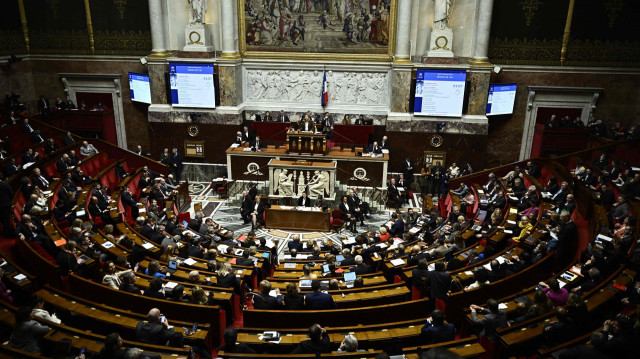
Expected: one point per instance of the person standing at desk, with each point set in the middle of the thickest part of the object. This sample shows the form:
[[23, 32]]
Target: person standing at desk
[[306, 125], [267, 117]]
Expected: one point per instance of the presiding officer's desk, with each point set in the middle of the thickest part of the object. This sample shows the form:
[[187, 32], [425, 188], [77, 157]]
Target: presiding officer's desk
[[297, 218], [354, 169]]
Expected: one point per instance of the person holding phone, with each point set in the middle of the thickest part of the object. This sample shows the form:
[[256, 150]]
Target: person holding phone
[[156, 330]]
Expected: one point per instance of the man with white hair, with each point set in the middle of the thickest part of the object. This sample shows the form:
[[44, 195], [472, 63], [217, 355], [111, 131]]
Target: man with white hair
[[360, 268], [349, 345], [156, 330]]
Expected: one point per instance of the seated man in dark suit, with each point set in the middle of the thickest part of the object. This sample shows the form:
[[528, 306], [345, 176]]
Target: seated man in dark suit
[[36, 137], [63, 163], [304, 201], [127, 285], [295, 243], [317, 343], [51, 146], [318, 300], [231, 344], [30, 156], [40, 180], [11, 168], [436, 331], [156, 330], [360, 267], [263, 300], [348, 214], [257, 144], [394, 193], [374, 148], [493, 319]]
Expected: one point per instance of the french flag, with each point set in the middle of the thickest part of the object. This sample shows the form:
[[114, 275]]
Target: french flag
[[325, 90]]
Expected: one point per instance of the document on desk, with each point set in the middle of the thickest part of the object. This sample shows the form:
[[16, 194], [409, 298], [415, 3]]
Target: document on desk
[[290, 265], [147, 245], [397, 262], [189, 261]]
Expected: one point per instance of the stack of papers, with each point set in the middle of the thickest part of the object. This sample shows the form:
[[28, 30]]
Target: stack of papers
[[290, 265], [189, 261], [20, 277], [147, 245], [397, 262]]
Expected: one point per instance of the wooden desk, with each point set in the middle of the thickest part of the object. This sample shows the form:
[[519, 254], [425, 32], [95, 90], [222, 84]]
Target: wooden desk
[[240, 165], [307, 142], [297, 219]]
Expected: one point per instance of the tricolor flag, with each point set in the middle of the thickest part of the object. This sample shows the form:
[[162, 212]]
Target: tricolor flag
[[325, 91]]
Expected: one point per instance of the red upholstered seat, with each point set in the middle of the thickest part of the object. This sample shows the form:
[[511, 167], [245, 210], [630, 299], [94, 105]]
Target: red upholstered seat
[[336, 220]]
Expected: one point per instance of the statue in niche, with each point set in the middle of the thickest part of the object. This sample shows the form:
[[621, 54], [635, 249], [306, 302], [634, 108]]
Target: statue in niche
[[285, 182], [197, 11], [441, 14], [319, 184]]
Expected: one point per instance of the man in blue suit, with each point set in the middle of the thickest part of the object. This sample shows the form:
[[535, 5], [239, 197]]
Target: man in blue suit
[[437, 331], [318, 300]]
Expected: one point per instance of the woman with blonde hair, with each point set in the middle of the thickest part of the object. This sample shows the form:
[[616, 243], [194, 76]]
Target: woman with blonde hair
[[169, 254], [198, 296], [226, 278]]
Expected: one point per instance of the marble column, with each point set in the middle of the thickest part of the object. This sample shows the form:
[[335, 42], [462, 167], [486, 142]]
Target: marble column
[[483, 31], [229, 30], [157, 81], [157, 28], [403, 33]]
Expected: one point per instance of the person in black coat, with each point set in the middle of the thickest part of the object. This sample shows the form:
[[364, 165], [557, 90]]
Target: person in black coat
[[393, 193], [347, 214], [128, 201], [226, 278], [436, 331], [318, 342], [176, 164], [255, 212], [360, 267], [439, 281], [263, 300], [232, 346], [30, 156], [304, 201], [67, 259], [318, 300], [293, 300], [567, 240], [155, 330], [128, 284]]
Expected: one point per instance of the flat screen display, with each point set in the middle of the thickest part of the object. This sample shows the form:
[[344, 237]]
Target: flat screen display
[[192, 85], [139, 87], [439, 93], [501, 99]]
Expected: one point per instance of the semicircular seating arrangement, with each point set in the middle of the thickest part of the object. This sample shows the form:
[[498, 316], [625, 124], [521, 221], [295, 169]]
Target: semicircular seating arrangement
[[493, 247]]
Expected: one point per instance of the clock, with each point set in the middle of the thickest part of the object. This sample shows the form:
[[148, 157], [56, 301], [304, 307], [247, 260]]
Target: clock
[[193, 130], [436, 141]]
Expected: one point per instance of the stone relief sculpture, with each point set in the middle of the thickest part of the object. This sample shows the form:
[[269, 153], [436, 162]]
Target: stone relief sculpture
[[319, 184], [285, 183], [303, 86], [197, 11]]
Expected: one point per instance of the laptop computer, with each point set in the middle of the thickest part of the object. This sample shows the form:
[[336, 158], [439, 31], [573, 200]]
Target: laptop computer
[[349, 278], [339, 258], [325, 268], [172, 267], [80, 213]]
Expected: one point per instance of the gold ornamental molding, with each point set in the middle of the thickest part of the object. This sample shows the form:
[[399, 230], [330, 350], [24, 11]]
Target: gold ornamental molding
[[25, 28], [87, 10]]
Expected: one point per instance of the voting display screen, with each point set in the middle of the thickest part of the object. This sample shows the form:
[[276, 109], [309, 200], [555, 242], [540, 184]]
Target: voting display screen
[[439, 93], [501, 99], [139, 87], [192, 85]]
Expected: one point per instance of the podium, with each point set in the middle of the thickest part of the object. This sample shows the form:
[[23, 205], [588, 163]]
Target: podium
[[309, 143]]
